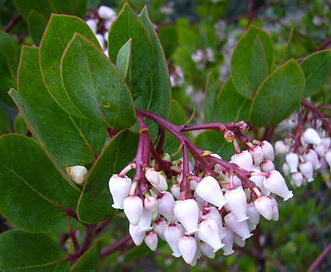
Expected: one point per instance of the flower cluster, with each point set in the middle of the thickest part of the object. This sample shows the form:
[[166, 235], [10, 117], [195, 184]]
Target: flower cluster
[[100, 21], [308, 149], [203, 56], [201, 207]]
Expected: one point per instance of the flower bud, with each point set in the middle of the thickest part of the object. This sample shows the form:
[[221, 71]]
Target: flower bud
[[210, 234], [119, 188], [276, 184], [133, 209], [188, 248], [166, 205], [328, 157], [207, 250], [236, 203], [136, 234], [258, 180], [268, 150], [92, 24], [253, 214], [105, 12], [228, 241], [187, 212], [152, 176], [159, 227], [172, 234], [175, 190], [145, 220], [77, 173], [311, 136], [307, 170], [209, 190], [229, 136], [297, 179], [267, 166], [292, 159], [264, 206], [151, 240], [240, 228], [150, 203]]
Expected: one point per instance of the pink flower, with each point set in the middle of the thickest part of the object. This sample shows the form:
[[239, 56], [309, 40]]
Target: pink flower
[[172, 234], [119, 188], [240, 228], [187, 212], [188, 248], [166, 205], [151, 240], [276, 184], [210, 234], [133, 209], [236, 203]]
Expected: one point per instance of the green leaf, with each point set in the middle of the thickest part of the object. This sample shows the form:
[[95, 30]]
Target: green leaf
[[4, 122], [210, 102], [127, 25], [41, 6], [58, 33], [95, 85], [317, 68], [251, 61], [36, 25], [157, 99], [214, 141], [21, 251], [9, 58], [95, 201], [33, 194], [74, 7], [278, 96], [66, 139], [169, 38], [229, 106], [89, 261], [123, 58]]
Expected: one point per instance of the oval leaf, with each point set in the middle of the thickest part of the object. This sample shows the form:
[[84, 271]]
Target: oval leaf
[[278, 96], [31, 189], [21, 251], [95, 85]]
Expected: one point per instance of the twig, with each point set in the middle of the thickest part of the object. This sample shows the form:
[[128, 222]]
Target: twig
[[324, 253], [12, 22]]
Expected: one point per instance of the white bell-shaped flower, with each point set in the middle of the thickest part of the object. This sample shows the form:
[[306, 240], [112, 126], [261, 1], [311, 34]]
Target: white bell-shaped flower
[[264, 206], [239, 241], [258, 180], [187, 213], [243, 159], [136, 234], [257, 154], [159, 227], [152, 176], [307, 170], [276, 184], [268, 150], [292, 159], [151, 240], [281, 148], [166, 205], [77, 173], [275, 216], [175, 190], [311, 136], [228, 241], [253, 214], [119, 188], [327, 157], [207, 250], [172, 234], [297, 179], [133, 209], [210, 234], [92, 24], [188, 248], [236, 203], [241, 228], [312, 156], [209, 190], [163, 185], [286, 169]]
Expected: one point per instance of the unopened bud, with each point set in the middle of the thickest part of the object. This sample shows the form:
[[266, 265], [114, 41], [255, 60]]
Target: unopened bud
[[77, 173]]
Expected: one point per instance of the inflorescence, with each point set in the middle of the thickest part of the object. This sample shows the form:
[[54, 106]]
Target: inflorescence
[[199, 203]]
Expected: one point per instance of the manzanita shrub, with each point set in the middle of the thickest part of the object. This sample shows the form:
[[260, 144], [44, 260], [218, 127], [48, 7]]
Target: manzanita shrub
[[103, 139]]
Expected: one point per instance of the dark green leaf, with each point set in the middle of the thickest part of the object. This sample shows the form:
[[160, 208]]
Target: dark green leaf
[[95, 85], [58, 33], [32, 191], [317, 68], [95, 201], [214, 141], [21, 251], [9, 58], [20, 126], [169, 39], [127, 25], [251, 61], [74, 7], [67, 140], [41, 6], [210, 102], [36, 25], [278, 96]]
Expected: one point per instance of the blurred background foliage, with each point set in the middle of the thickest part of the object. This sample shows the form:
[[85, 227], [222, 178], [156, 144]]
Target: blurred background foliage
[[199, 37]]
